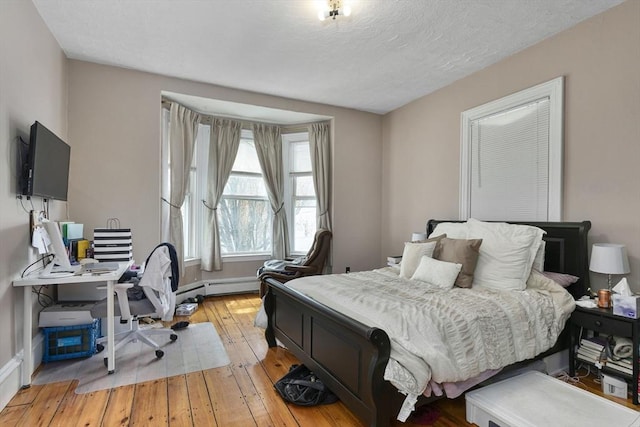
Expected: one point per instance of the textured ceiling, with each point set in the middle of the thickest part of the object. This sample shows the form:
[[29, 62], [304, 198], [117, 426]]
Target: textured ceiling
[[386, 54]]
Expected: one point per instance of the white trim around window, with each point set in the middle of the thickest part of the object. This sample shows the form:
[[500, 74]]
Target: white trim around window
[[551, 90]]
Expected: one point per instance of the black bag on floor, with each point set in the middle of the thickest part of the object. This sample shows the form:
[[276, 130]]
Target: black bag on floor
[[301, 387]]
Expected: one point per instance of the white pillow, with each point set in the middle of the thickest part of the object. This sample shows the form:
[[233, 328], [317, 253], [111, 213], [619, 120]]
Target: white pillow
[[439, 273], [538, 261], [506, 254], [411, 256], [453, 230]]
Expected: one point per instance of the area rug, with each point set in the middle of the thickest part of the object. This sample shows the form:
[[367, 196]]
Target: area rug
[[198, 348]]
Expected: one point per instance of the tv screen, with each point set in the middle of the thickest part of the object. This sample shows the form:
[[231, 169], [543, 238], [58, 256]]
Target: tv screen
[[47, 169]]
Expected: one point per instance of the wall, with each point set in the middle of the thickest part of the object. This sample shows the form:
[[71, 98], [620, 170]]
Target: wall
[[600, 59], [33, 86], [114, 123]]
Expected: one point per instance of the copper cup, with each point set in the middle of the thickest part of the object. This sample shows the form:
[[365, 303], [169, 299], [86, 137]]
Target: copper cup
[[604, 298]]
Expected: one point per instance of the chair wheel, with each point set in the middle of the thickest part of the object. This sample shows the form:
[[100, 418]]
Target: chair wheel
[[173, 337], [106, 362], [99, 348], [159, 354]]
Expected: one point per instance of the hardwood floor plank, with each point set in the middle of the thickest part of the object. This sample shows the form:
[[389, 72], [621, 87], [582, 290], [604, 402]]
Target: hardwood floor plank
[[259, 347], [214, 318], [11, 415], [150, 404], [198, 317], [240, 352], [276, 407], [179, 407], [251, 396], [199, 400], [229, 405], [81, 409], [241, 394], [119, 406], [46, 403], [26, 395]]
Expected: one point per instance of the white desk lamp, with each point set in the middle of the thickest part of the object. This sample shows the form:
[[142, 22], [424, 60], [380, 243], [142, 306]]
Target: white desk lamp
[[609, 258]]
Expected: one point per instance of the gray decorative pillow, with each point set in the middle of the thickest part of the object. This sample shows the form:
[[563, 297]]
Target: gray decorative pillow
[[459, 251]]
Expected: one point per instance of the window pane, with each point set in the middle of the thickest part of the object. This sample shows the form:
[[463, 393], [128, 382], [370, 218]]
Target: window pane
[[509, 164], [188, 216], [186, 225], [245, 226], [304, 186], [305, 225], [300, 157], [247, 158], [242, 185]]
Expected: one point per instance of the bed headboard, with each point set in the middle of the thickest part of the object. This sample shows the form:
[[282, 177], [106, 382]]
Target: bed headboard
[[566, 249]]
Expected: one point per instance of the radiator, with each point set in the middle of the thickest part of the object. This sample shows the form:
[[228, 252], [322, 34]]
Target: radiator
[[234, 285]]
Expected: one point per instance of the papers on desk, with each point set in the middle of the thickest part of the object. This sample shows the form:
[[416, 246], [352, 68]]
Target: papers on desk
[[99, 267], [587, 303]]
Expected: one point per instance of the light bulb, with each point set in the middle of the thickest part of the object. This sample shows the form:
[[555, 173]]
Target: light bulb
[[346, 10], [321, 15]]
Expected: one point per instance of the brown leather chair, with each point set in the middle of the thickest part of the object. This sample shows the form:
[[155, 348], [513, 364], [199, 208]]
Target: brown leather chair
[[313, 263]]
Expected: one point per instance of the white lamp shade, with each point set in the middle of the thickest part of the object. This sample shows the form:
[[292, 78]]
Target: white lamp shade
[[417, 236], [609, 258]]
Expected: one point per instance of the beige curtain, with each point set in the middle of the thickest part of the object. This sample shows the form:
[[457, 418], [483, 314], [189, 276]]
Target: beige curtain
[[269, 148], [320, 161], [182, 136], [223, 148]]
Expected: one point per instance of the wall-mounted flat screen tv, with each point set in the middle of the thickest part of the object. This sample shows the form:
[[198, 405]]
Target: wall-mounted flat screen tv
[[46, 171]]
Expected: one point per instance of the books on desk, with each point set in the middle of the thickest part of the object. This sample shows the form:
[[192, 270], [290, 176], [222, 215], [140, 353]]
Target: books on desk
[[595, 343], [621, 365], [593, 350]]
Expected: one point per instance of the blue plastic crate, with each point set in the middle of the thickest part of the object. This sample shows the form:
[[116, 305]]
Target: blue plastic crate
[[69, 342]]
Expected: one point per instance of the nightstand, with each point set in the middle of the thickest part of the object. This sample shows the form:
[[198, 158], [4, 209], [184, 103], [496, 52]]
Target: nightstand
[[602, 320]]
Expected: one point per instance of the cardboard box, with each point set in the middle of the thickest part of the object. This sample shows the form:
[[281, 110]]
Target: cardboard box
[[614, 386], [627, 306]]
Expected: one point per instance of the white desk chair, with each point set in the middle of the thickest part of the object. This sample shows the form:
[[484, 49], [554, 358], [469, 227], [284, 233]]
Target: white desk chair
[[158, 285]]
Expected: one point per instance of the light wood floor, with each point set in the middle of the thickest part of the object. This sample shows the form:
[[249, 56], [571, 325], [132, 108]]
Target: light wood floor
[[240, 394]]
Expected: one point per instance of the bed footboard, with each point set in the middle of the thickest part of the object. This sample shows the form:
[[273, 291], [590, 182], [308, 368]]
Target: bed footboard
[[349, 357]]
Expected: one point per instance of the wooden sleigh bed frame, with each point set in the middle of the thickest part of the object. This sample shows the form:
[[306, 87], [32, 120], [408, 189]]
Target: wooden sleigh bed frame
[[350, 357]]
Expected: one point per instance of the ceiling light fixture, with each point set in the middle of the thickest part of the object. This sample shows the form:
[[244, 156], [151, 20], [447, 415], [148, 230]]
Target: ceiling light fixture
[[333, 8]]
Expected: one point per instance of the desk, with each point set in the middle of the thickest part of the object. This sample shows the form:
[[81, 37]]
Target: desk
[[27, 283]]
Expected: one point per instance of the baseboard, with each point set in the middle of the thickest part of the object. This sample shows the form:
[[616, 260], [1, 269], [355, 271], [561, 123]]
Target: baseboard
[[234, 285], [10, 380], [11, 372]]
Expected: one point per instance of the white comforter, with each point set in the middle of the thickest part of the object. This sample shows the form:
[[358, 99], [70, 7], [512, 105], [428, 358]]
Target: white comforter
[[445, 336]]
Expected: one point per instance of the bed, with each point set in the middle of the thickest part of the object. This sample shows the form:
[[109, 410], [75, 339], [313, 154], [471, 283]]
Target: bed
[[351, 357]]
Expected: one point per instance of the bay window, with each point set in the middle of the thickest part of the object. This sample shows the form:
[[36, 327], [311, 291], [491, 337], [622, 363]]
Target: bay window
[[245, 217]]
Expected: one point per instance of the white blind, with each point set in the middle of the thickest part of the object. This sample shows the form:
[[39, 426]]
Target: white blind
[[510, 164]]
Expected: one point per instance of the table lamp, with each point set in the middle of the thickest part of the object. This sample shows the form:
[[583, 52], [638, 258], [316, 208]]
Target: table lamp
[[609, 258], [417, 236]]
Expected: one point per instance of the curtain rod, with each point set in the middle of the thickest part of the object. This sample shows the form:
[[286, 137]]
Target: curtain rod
[[208, 118]]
